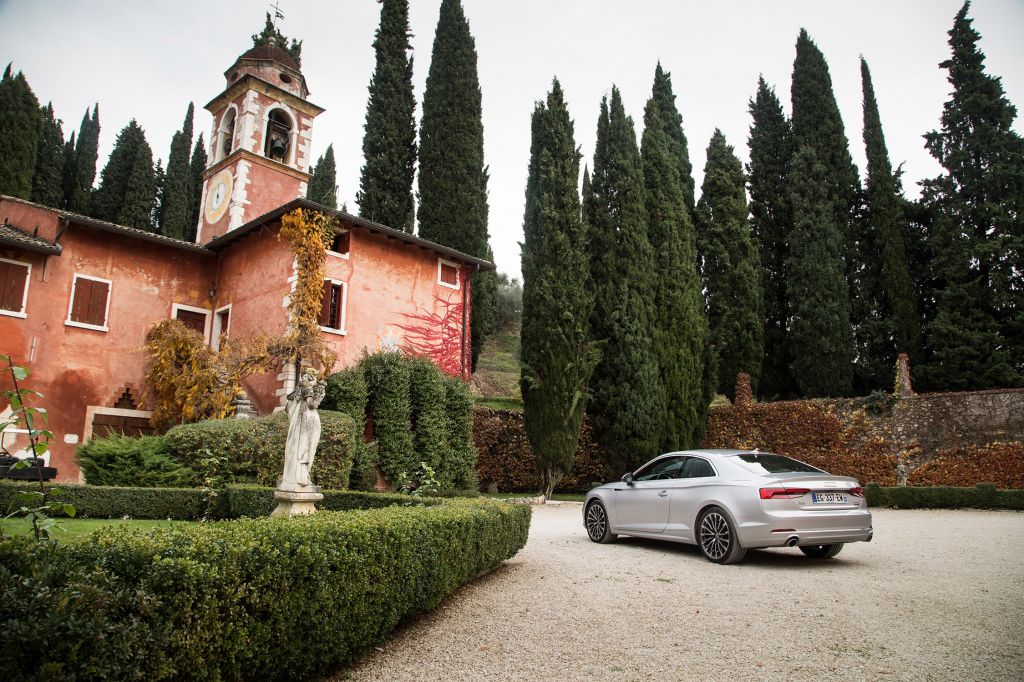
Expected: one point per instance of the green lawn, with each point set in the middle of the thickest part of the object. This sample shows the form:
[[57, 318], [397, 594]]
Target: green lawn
[[514, 404], [76, 530], [558, 497]]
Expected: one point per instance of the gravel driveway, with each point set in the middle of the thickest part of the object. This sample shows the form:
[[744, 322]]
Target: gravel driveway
[[936, 595]]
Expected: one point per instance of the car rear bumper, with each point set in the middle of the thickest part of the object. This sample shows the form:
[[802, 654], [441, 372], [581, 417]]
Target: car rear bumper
[[809, 528]]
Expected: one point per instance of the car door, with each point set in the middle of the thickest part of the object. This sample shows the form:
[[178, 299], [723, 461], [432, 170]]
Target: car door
[[643, 507], [688, 496]]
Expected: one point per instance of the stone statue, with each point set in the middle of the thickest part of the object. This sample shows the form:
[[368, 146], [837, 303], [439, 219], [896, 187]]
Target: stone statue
[[295, 492]]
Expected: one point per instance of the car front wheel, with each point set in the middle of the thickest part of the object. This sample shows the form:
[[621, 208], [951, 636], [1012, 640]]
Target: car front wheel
[[821, 551], [596, 520], [717, 537]]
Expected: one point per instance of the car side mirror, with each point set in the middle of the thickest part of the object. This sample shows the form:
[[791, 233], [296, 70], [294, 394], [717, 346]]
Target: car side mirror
[[627, 478]]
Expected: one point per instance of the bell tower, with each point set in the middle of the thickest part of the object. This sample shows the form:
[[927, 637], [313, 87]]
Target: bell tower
[[260, 142]]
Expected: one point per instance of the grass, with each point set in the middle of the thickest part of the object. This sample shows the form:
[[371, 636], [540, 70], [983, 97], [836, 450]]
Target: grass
[[514, 404], [76, 530], [557, 497], [497, 369]]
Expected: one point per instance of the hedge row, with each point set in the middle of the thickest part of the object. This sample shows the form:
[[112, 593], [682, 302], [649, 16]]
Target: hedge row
[[981, 496], [191, 504], [265, 599], [506, 460], [999, 463]]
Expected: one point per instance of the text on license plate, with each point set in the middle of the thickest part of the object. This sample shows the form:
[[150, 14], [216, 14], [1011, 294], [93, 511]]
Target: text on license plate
[[829, 498]]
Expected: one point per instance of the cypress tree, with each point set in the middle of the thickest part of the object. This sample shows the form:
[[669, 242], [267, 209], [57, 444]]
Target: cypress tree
[[196, 167], [819, 301], [176, 204], [389, 141], [672, 121], [47, 186], [680, 327], [627, 394], [271, 32], [323, 187], [158, 193], [452, 176], [977, 336], [21, 125], [893, 326], [771, 220], [818, 124], [731, 268], [79, 196], [67, 176], [556, 353], [584, 194], [125, 194]]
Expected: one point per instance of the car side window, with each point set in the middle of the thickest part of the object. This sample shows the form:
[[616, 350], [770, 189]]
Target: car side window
[[669, 467], [695, 467]]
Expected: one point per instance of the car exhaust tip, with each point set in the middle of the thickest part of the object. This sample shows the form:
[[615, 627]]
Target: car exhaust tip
[[792, 541], [871, 534]]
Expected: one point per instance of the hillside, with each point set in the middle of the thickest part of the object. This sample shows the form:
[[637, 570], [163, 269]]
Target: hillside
[[496, 381]]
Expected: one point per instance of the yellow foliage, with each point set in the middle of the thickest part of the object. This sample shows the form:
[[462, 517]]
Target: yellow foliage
[[309, 233], [188, 381]]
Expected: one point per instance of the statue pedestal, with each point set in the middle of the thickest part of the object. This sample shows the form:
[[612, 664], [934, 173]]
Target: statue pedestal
[[298, 501]]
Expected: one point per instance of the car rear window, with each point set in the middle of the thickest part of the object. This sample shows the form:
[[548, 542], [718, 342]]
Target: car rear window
[[775, 464]]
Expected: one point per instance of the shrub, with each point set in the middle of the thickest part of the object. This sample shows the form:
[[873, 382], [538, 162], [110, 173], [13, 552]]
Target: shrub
[[141, 461], [105, 502], [981, 496], [459, 466], [387, 378], [347, 392], [998, 463], [254, 448], [267, 599], [427, 402]]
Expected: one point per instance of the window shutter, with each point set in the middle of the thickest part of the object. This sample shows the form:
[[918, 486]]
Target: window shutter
[[193, 320], [98, 303], [80, 299], [13, 279], [325, 304]]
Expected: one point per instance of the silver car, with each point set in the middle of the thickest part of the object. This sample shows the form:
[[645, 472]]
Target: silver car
[[729, 501]]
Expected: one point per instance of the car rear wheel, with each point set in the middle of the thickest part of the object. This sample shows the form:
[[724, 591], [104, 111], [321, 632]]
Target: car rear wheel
[[596, 520], [716, 535], [821, 551]]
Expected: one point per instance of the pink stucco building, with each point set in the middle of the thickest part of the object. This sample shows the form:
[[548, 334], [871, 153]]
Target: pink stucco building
[[77, 295]]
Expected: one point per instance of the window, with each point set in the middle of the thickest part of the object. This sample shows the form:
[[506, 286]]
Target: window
[[90, 303], [221, 325], [14, 279], [332, 306], [775, 464], [447, 273], [279, 135], [341, 244], [667, 467], [227, 133], [695, 467], [193, 318]]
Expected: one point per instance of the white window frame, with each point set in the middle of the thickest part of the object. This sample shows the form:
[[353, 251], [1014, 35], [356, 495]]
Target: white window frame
[[175, 307], [23, 313], [215, 330], [342, 255], [105, 327], [344, 308], [458, 276]]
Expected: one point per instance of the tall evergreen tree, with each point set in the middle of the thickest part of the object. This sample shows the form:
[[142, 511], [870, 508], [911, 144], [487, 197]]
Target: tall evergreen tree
[[627, 394], [158, 193], [78, 191], [771, 220], [389, 141], [452, 176], [672, 121], [819, 301], [176, 204], [21, 125], [557, 355], [47, 181], [892, 325], [125, 194], [977, 336], [323, 187], [731, 268], [680, 328], [818, 124], [196, 167], [584, 194], [271, 32], [67, 176]]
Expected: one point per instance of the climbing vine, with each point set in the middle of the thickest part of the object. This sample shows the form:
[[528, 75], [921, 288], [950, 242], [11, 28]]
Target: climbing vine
[[309, 233]]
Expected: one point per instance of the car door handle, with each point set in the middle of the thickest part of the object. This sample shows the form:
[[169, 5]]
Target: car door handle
[[663, 493]]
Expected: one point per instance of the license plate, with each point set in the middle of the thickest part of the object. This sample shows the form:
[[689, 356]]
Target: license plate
[[829, 498]]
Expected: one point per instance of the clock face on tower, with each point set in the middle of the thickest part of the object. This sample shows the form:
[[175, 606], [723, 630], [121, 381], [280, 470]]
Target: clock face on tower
[[218, 196]]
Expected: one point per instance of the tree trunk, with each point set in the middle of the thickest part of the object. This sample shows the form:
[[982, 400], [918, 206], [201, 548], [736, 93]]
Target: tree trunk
[[550, 477]]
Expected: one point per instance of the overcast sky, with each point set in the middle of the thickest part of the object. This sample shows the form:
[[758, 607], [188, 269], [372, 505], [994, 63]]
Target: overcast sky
[[147, 60]]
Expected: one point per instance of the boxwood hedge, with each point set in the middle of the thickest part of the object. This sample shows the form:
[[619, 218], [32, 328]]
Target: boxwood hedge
[[252, 599]]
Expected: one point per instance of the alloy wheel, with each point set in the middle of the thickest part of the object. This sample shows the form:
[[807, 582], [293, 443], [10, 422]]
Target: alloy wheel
[[597, 522], [714, 535]]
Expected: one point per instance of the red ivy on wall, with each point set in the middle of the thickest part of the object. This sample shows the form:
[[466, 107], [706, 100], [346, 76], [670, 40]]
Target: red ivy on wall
[[438, 335]]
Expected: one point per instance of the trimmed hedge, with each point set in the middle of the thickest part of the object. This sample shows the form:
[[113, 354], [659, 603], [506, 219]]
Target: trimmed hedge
[[139, 461], [347, 392], [999, 463], [190, 504], [269, 599], [981, 496], [254, 448]]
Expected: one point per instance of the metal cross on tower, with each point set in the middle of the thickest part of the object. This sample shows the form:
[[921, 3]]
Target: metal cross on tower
[[277, 14]]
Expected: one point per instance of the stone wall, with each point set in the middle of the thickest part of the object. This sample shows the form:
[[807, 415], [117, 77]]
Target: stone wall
[[941, 421]]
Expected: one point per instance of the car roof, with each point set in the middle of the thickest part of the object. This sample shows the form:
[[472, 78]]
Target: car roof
[[717, 452]]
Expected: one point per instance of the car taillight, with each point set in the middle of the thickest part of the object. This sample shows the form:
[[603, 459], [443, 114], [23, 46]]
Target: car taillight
[[784, 493], [857, 492]]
